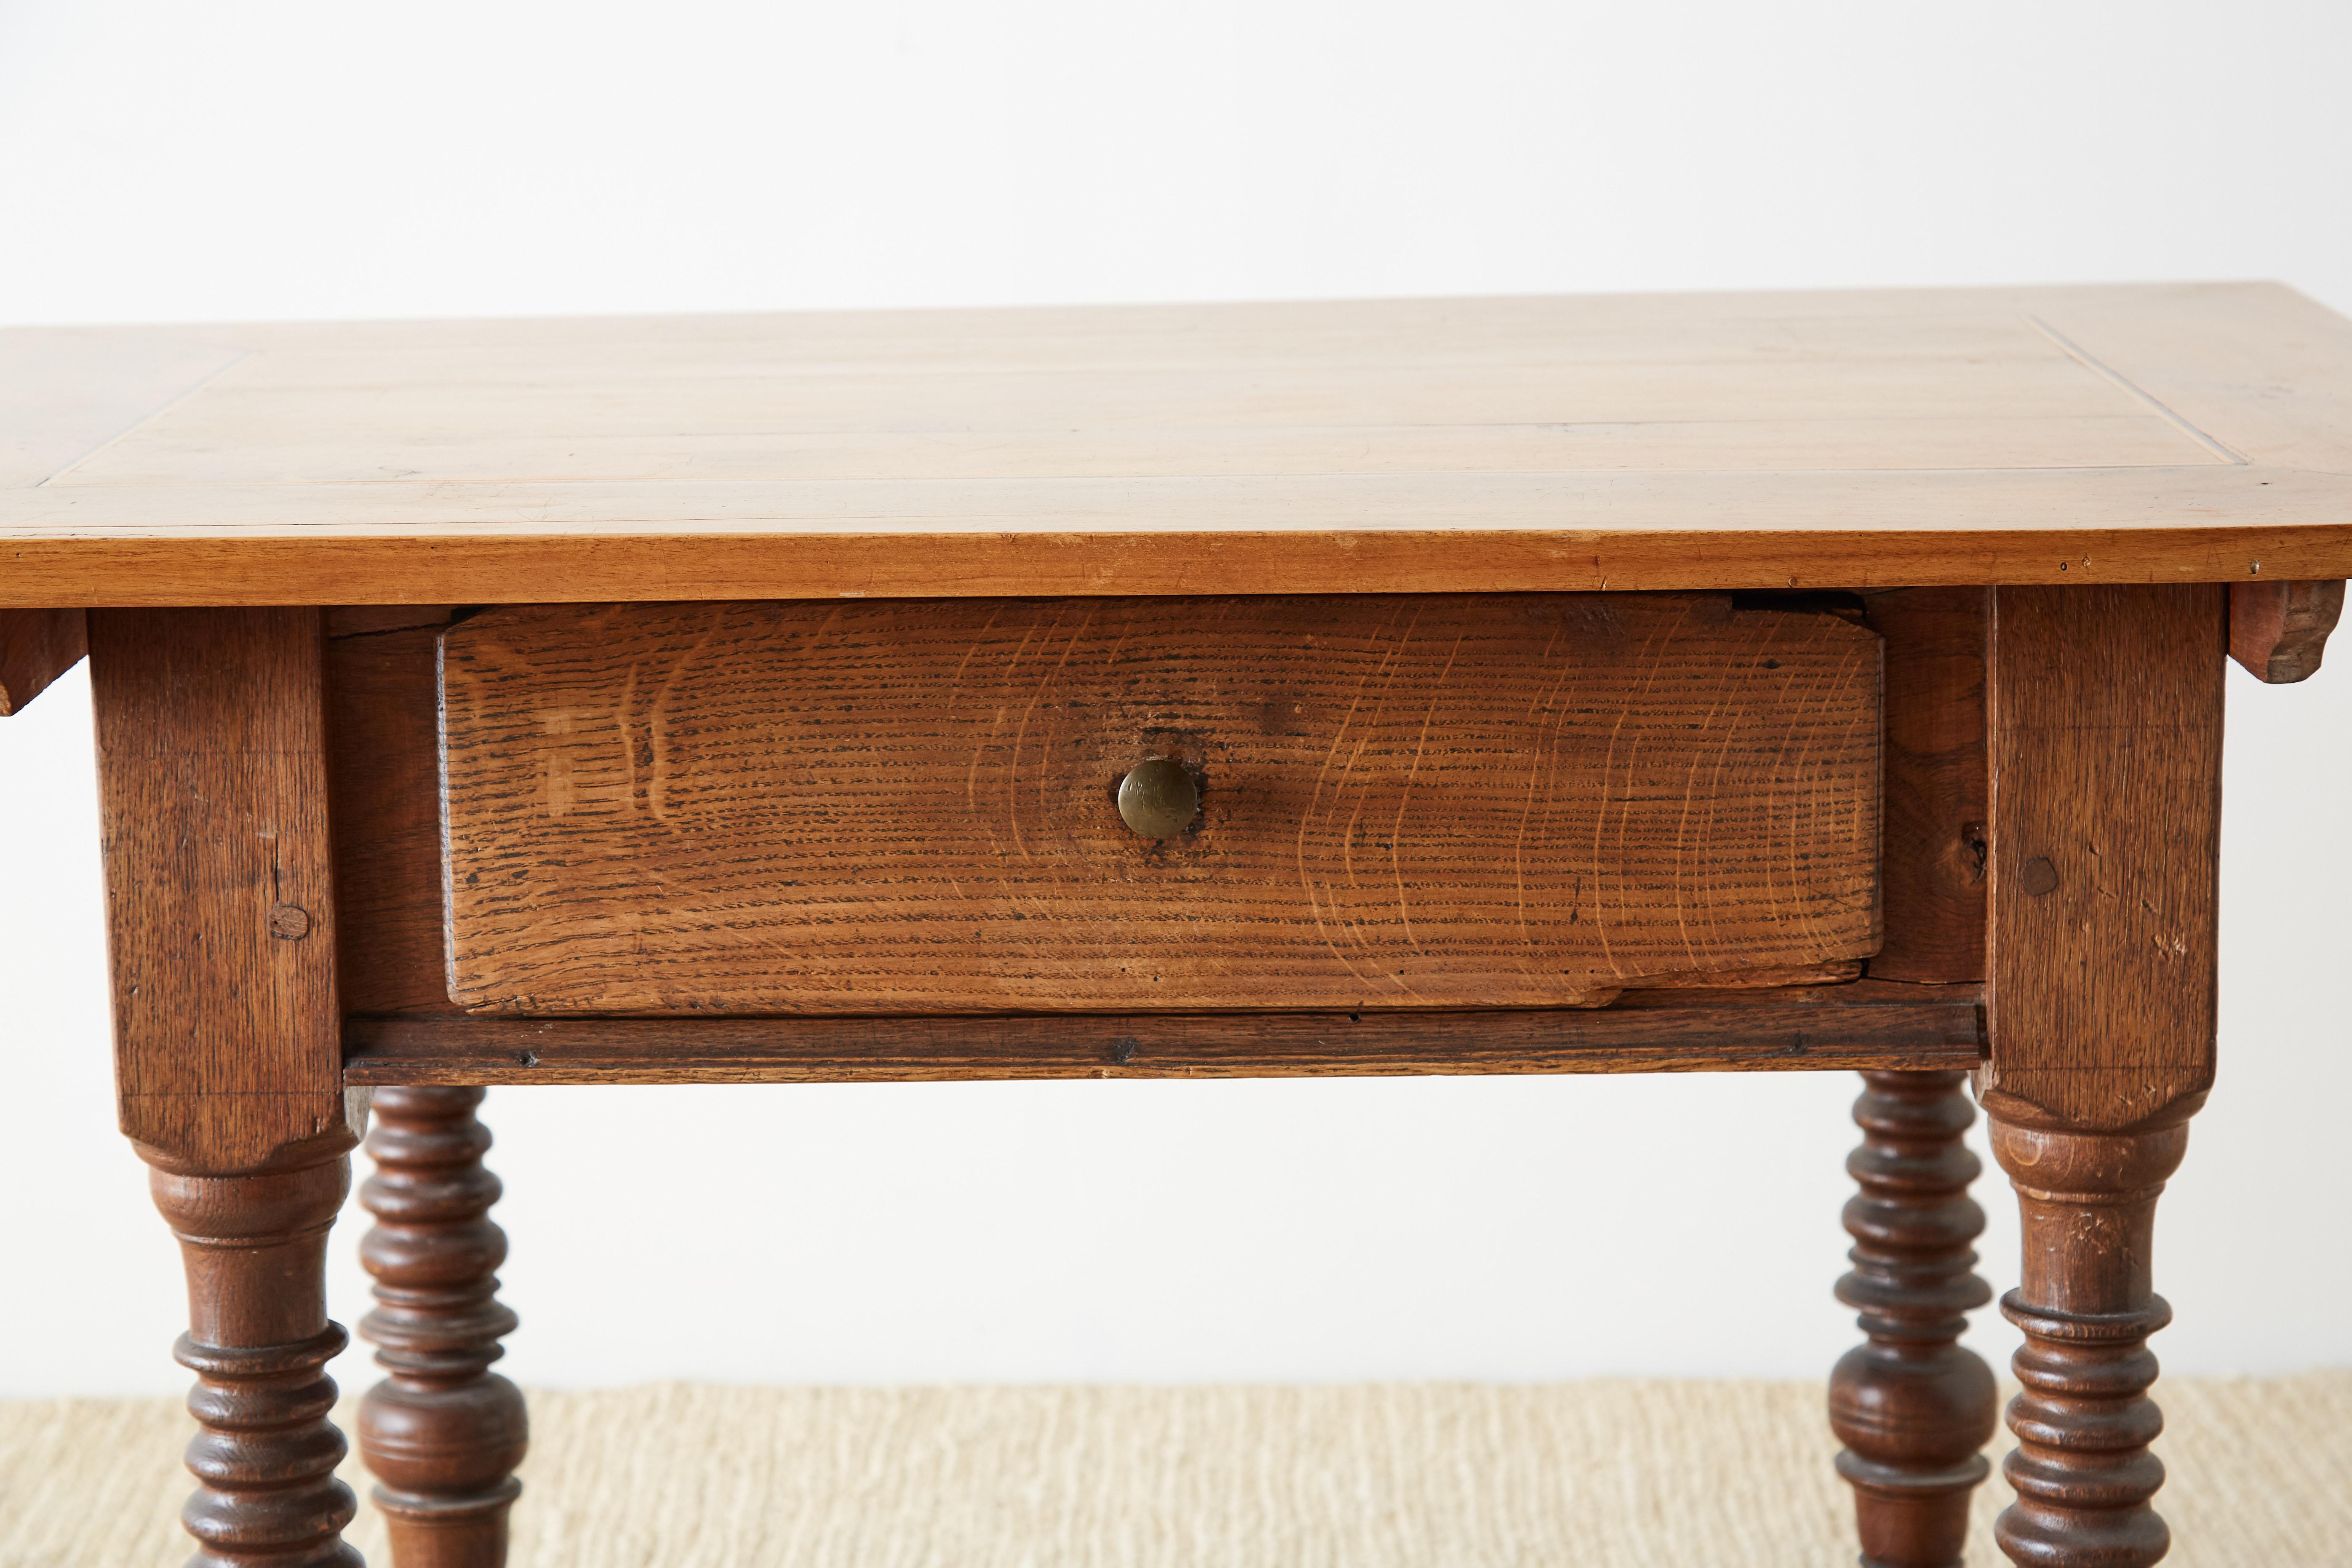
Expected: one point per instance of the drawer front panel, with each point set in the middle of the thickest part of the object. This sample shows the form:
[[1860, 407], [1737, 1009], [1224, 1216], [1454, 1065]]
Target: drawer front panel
[[889, 806]]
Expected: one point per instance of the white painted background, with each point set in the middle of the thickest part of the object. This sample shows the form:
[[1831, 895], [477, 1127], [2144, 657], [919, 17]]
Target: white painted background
[[163, 161]]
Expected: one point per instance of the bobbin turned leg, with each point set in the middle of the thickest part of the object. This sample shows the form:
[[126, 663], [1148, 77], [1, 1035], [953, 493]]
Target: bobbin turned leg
[[1911, 1405], [2105, 710], [443, 1432], [227, 1042], [259, 1341], [2082, 1468]]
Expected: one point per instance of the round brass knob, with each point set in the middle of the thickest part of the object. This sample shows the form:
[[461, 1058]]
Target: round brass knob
[[1157, 799]]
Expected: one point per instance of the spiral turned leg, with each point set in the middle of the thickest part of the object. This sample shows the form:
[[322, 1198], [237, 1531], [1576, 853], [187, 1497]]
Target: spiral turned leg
[[258, 1342], [1912, 1406], [442, 1432], [2082, 1468]]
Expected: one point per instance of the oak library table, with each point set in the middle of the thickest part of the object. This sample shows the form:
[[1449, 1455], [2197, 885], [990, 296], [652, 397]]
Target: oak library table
[[1787, 682]]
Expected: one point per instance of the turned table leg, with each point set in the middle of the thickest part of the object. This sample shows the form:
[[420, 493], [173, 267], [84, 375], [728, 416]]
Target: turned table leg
[[2106, 718], [2082, 1468], [1912, 1406], [259, 1341], [228, 1041], [442, 1432]]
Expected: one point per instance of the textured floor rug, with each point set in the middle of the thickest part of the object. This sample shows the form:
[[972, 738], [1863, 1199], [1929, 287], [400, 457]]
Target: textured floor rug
[[1400, 1476]]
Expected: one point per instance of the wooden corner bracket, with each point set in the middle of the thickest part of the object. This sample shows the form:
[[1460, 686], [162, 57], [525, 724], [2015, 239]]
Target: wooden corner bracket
[[36, 647], [2278, 630]]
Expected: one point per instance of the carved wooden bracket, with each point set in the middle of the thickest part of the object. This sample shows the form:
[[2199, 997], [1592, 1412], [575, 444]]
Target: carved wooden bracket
[[2279, 629], [36, 647]]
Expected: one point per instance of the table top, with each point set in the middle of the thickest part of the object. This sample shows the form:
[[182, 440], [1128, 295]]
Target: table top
[[2188, 432]]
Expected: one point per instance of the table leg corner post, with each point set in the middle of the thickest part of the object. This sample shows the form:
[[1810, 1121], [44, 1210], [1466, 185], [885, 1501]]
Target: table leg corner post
[[259, 1340], [1913, 1406], [221, 939], [442, 1433], [2105, 714]]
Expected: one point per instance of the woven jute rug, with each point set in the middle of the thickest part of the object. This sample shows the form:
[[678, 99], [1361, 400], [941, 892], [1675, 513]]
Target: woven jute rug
[[1398, 1476]]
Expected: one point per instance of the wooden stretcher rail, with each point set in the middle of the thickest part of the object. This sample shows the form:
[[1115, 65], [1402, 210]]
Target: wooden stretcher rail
[[1865, 1024]]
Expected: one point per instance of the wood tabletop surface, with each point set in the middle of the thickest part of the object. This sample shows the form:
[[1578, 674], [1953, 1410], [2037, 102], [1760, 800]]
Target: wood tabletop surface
[[2142, 433]]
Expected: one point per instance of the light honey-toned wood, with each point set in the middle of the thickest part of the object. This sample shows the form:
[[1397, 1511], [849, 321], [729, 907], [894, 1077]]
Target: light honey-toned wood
[[383, 738], [2154, 433], [1501, 801]]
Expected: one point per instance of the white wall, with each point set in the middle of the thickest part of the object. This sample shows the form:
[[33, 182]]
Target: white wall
[[162, 161]]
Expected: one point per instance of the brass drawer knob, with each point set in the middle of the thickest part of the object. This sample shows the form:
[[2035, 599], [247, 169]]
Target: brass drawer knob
[[1157, 799]]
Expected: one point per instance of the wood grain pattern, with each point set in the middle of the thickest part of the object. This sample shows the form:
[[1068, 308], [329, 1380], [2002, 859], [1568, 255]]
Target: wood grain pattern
[[2106, 712], [1867, 1024], [259, 1340], [2086, 1302], [442, 1433], [220, 896], [67, 392], [1672, 442], [384, 779], [1355, 536], [1406, 802], [384, 747], [2278, 630], [36, 647], [1937, 780], [1912, 1405]]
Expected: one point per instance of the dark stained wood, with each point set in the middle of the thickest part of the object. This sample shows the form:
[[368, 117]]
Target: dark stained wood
[[2106, 740], [1865, 1024], [442, 1432], [220, 896], [1937, 782], [888, 806], [2086, 1303], [1912, 1406], [36, 647], [2278, 629], [259, 1341], [2106, 707], [383, 768]]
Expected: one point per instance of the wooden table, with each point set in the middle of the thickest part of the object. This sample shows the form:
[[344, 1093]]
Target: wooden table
[[1568, 685]]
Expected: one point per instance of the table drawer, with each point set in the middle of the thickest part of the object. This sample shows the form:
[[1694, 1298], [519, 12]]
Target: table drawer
[[912, 805]]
